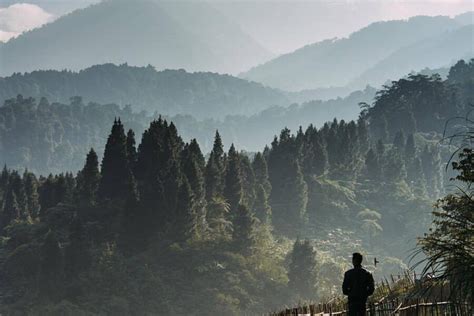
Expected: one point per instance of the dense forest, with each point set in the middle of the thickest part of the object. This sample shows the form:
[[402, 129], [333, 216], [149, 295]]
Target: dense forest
[[58, 134], [168, 92], [158, 228]]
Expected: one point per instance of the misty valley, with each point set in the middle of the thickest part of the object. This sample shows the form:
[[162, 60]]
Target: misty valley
[[159, 160]]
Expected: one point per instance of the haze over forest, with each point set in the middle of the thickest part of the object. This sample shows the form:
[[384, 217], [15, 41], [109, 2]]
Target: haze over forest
[[221, 157]]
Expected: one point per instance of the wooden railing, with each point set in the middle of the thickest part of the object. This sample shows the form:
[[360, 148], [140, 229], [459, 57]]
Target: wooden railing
[[386, 308]]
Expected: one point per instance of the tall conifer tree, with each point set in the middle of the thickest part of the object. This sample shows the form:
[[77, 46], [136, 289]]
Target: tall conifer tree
[[186, 219], [11, 209], [32, 196], [193, 169], [131, 150], [88, 180], [115, 171], [215, 169], [233, 192]]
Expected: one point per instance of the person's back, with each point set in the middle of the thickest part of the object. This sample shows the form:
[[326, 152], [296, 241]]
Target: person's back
[[358, 285]]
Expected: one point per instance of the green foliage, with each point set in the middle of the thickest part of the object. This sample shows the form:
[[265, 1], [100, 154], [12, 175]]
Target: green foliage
[[301, 272], [244, 226], [115, 169], [88, 180], [233, 190], [158, 229], [449, 244]]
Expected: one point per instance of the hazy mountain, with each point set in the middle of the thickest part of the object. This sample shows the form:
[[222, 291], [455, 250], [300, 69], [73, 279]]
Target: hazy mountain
[[44, 136], [338, 62], [161, 33], [465, 18], [434, 52], [168, 92]]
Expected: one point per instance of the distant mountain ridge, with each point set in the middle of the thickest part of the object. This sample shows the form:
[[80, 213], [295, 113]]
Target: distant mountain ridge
[[366, 57], [138, 32], [167, 92]]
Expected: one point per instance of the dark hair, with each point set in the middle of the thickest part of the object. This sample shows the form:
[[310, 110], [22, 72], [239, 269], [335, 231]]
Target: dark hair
[[357, 258]]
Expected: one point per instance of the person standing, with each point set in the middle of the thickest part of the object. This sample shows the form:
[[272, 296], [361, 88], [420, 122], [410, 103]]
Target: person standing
[[358, 285]]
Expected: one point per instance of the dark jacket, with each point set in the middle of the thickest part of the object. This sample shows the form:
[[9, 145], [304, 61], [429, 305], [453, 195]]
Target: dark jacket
[[358, 284]]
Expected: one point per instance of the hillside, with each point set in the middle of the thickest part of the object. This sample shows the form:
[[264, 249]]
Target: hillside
[[157, 228], [169, 37], [432, 52], [339, 62], [50, 143], [168, 92]]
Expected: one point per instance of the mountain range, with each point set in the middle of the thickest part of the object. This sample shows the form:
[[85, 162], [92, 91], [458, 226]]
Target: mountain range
[[379, 52], [164, 34], [167, 92]]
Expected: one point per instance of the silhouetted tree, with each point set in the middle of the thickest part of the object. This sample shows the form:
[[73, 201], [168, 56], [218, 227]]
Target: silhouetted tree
[[115, 172], [233, 180], [88, 180]]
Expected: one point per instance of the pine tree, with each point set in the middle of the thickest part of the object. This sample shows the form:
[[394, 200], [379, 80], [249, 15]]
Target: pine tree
[[290, 200], [193, 169], [248, 182], [218, 149], [302, 270], [115, 172], [136, 226], [4, 179], [131, 150], [17, 185], [263, 189], [48, 194], [333, 145], [262, 208], [63, 187], [215, 170], [320, 158], [218, 218], [159, 172], [186, 220], [88, 180], [314, 154], [260, 170], [149, 164], [243, 235], [363, 135], [32, 196], [11, 209], [233, 192]]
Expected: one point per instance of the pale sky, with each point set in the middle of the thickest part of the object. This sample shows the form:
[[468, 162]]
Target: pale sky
[[279, 25]]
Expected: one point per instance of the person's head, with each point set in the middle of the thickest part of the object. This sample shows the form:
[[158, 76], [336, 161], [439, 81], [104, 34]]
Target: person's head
[[356, 259]]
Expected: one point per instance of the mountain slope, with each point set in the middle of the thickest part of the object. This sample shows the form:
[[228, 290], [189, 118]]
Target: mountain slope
[[138, 32], [338, 62], [168, 92], [433, 52]]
